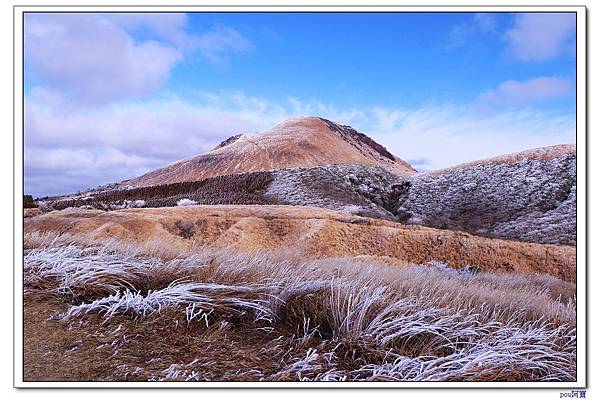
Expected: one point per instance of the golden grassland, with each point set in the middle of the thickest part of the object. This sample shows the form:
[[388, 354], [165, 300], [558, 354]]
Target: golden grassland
[[314, 232], [275, 293]]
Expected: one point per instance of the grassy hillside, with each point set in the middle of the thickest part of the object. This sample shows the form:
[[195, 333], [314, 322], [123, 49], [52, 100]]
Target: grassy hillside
[[315, 232]]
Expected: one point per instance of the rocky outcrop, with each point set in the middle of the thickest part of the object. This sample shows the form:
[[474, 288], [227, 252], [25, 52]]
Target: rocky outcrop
[[350, 134], [228, 141]]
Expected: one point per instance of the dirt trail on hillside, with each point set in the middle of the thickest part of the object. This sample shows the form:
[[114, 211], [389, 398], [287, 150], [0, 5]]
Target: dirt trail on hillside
[[312, 231]]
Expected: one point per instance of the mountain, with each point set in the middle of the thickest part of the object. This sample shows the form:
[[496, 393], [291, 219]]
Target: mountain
[[297, 142], [308, 161], [528, 196]]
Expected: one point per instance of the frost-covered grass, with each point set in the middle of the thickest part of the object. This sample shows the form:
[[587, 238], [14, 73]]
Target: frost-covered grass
[[199, 299], [186, 202], [355, 188], [527, 199], [329, 319]]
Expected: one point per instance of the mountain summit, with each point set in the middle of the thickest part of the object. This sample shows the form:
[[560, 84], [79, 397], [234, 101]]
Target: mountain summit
[[296, 142]]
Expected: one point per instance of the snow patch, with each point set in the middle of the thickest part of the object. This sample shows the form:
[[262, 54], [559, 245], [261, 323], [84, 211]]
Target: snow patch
[[186, 202]]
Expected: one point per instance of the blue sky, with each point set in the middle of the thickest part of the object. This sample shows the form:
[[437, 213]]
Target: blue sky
[[111, 96], [362, 59]]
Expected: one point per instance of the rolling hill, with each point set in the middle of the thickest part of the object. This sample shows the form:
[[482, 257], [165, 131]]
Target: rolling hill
[[529, 196]]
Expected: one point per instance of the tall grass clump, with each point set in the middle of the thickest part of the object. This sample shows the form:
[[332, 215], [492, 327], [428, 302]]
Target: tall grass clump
[[328, 319]]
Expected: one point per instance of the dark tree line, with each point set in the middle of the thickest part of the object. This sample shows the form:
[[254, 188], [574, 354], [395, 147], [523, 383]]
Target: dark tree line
[[28, 201], [247, 188]]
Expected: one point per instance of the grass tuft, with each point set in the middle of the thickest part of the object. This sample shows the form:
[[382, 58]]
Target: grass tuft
[[298, 319]]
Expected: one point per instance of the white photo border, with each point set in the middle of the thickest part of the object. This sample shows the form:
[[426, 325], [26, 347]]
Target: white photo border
[[582, 204]]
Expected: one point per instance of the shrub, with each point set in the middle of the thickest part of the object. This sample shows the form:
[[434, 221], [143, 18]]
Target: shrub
[[28, 201], [186, 228], [135, 204]]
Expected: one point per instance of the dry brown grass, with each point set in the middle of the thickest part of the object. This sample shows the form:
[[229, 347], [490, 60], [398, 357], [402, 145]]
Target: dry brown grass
[[222, 315], [315, 232]]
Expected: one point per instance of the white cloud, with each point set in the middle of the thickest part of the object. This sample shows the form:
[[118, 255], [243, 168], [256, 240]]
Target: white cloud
[[70, 151], [94, 59], [518, 93], [90, 60], [541, 36]]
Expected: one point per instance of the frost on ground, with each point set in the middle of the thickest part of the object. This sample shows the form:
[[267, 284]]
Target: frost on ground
[[524, 199], [528, 199], [186, 202], [218, 315], [360, 189]]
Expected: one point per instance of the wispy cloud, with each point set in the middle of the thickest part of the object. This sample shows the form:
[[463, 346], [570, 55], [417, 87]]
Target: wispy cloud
[[451, 134], [519, 93], [171, 28], [541, 36], [217, 44], [486, 22], [72, 151], [462, 33]]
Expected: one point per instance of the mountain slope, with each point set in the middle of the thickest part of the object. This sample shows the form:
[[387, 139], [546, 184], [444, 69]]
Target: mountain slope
[[529, 196], [296, 142]]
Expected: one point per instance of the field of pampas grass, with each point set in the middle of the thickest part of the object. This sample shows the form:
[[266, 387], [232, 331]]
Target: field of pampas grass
[[113, 312]]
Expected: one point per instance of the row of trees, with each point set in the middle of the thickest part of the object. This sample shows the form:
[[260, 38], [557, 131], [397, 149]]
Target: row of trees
[[244, 188], [28, 201]]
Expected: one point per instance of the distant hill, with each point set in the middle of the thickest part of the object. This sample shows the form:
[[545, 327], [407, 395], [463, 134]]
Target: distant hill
[[297, 142], [528, 196]]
